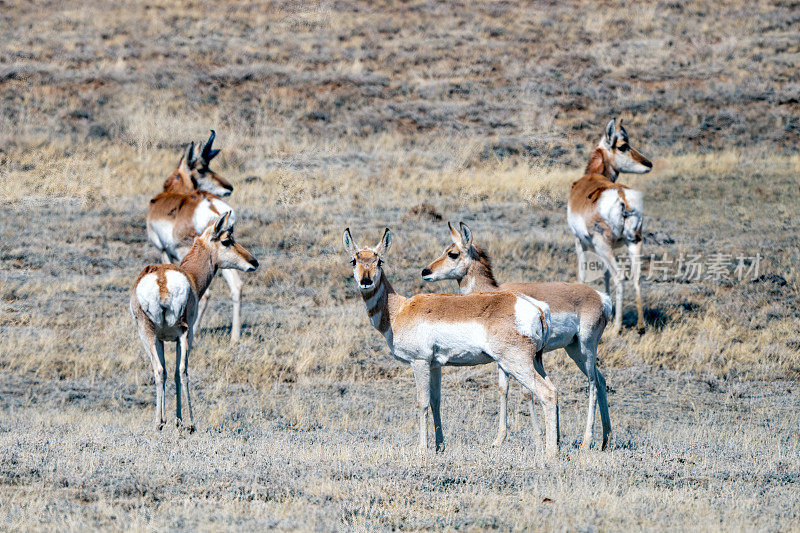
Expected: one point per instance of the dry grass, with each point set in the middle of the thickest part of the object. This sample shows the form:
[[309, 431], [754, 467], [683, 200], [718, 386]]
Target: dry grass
[[333, 115]]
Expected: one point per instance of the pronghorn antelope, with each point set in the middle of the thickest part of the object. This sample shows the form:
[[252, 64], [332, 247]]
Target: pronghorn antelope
[[430, 331], [602, 213], [190, 200], [164, 305], [578, 315]]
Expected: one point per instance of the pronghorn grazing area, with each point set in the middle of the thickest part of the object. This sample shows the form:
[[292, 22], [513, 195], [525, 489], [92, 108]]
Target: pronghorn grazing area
[[399, 114], [603, 214], [430, 331], [578, 315], [189, 202], [165, 301]]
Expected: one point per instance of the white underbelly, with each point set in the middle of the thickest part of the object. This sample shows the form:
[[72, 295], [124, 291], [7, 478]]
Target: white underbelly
[[445, 344]]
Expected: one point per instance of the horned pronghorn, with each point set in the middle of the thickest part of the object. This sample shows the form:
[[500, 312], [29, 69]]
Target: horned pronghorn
[[603, 214], [434, 330], [164, 305], [578, 316], [190, 200]]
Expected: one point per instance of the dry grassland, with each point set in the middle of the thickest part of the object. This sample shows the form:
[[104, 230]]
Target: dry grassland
[[335, 114]]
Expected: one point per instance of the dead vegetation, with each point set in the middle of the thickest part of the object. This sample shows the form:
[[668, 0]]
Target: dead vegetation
[[350, 114]]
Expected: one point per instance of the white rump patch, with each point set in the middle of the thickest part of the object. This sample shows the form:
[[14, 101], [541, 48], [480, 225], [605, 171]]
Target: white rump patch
[[577, 225], [528, 318], [166, 312], [203, 214], [160, 233]]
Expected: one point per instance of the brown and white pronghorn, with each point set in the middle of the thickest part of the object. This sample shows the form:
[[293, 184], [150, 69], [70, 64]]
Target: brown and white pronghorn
[[430, 331], [164, 305], [603, 214], [578, 316], [190, 200]]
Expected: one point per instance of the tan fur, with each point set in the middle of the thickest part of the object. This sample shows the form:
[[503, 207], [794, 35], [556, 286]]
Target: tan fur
[[214, 248], [612, 155], [456, 330], [471, 267], [179, 207]]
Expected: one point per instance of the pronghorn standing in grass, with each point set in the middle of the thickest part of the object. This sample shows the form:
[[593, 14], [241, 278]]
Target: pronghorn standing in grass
[[602, 213], [434, 330], [578, 316], [164, 304], [190, 200]]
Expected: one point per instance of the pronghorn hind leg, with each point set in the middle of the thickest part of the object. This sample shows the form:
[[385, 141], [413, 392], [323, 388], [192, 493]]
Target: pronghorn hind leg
[[155, 349], [635, 253], [234, 281], [531, 375], [581, 357], [184, 346], [436, 402], [422, 379], [502, 425], [605, 417], [165, 259]]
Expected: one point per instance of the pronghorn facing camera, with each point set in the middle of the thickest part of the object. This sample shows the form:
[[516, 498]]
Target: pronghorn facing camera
[[578, 316], [164, 305], [184, 209], [603, 214], [430, 331]]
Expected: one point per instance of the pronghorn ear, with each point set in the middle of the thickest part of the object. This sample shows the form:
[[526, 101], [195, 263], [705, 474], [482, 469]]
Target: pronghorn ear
[[609, 133], [221, 225], [622, 134], [455, 235], [386, 242], [187, 161], [466, 236], [348, 242]]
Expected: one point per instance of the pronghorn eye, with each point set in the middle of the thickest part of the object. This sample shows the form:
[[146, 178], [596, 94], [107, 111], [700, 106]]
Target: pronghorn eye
[[624, 148], [227, 242], [453, 255]]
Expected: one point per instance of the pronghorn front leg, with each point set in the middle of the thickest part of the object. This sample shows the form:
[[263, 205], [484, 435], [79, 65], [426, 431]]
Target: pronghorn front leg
[[581, 252], [436, 401], [422, 378], [201, 309], [635, 253], [234, 281], [606, 251], [165, 258]]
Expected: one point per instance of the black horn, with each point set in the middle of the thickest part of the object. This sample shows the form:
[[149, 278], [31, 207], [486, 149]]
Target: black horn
[[208, 154]]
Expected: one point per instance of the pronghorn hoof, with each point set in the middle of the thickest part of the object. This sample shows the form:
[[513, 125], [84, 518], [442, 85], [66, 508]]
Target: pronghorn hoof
[[190, 428], [160, 426], [640, 330], [440, 448]]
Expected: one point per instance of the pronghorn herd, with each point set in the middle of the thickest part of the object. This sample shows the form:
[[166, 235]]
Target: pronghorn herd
[[511, 324]]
